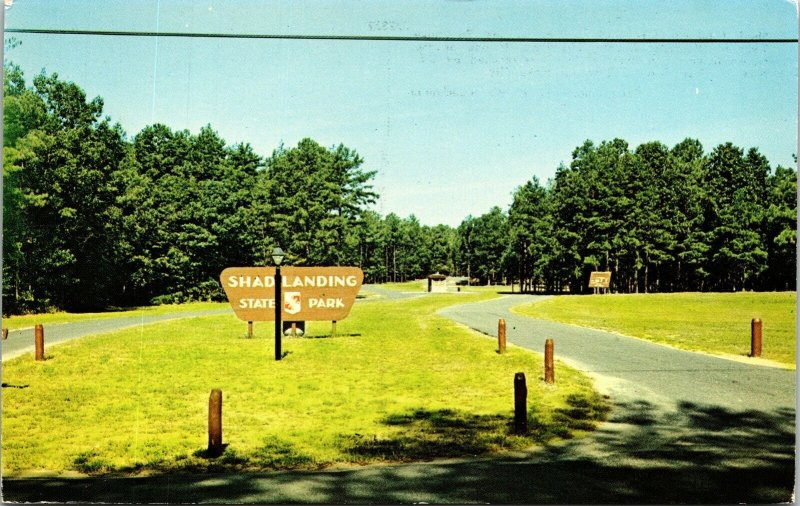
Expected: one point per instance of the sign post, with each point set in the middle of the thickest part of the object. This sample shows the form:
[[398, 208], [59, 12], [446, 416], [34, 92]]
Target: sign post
[[278, 329], [277, 257]]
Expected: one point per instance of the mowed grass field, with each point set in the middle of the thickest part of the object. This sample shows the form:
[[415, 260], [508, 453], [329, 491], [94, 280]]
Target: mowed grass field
[[397, 383], [709, 322], [28, 321]]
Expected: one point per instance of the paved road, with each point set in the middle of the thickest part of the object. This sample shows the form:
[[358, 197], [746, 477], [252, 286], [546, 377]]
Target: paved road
[[20, 342], [633, 369], [685, 428]]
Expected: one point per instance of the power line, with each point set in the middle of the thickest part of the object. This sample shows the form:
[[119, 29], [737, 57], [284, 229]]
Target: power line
[[404, 38]]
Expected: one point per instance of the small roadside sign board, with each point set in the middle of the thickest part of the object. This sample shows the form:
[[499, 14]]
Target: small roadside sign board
[[600, 279], [308, 293]]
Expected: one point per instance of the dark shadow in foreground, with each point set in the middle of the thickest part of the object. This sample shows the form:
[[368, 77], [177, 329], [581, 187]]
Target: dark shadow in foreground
[[9, 385], [695, 454]]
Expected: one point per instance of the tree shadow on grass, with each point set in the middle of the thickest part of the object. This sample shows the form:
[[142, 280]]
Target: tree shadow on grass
[[273, 454], [429, 434], [645, 454]]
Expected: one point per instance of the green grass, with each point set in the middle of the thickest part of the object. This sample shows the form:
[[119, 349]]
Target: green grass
[[398, 383], [709, 322], [27, 321]]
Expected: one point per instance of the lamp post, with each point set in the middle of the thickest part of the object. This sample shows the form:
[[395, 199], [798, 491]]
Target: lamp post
[[277, 257]]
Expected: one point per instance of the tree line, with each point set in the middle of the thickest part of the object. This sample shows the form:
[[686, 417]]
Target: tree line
[[660, 219], [93, 219]]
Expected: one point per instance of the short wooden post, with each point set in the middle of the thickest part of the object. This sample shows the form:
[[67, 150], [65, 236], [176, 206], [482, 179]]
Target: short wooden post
[[39, 341], [249, 329], [333, 328], [5, 333], [520, 404], [501, 336], [755, 337], [549, 370], [294, 329], [215, 423]]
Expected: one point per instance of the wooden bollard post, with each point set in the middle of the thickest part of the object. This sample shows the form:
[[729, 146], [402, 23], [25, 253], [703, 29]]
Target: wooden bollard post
[[755, 337], [249, 329], [549, 370], [215, 423], [38, 337], [333, 328], [520, 404], [294, 329], [501, 336], [5, 333]]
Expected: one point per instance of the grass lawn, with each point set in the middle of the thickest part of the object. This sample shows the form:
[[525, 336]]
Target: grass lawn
[[397, 383], [28, 321], [710, 322]]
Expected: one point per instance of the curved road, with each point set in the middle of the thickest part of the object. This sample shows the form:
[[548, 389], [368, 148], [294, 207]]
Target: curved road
[[20, 341], [685, 428], [725, 429], [633, 369]]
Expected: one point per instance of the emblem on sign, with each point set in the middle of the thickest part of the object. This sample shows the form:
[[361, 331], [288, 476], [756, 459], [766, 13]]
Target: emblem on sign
[[292, 302]]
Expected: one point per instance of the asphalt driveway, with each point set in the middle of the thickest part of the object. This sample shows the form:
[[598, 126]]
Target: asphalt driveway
[[20, 341], [635, 370]]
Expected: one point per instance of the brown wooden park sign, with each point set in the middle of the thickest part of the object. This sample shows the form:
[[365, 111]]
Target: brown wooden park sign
[[309, 293], [599, 279]]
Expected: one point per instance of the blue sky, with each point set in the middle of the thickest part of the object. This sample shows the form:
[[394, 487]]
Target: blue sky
[[451, 128]]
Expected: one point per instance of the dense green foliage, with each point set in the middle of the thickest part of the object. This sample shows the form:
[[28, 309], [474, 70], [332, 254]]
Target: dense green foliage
[[92, 218], [659, 219]]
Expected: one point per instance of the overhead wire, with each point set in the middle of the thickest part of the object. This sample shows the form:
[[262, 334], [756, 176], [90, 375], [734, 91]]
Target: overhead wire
[[406, 38]]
